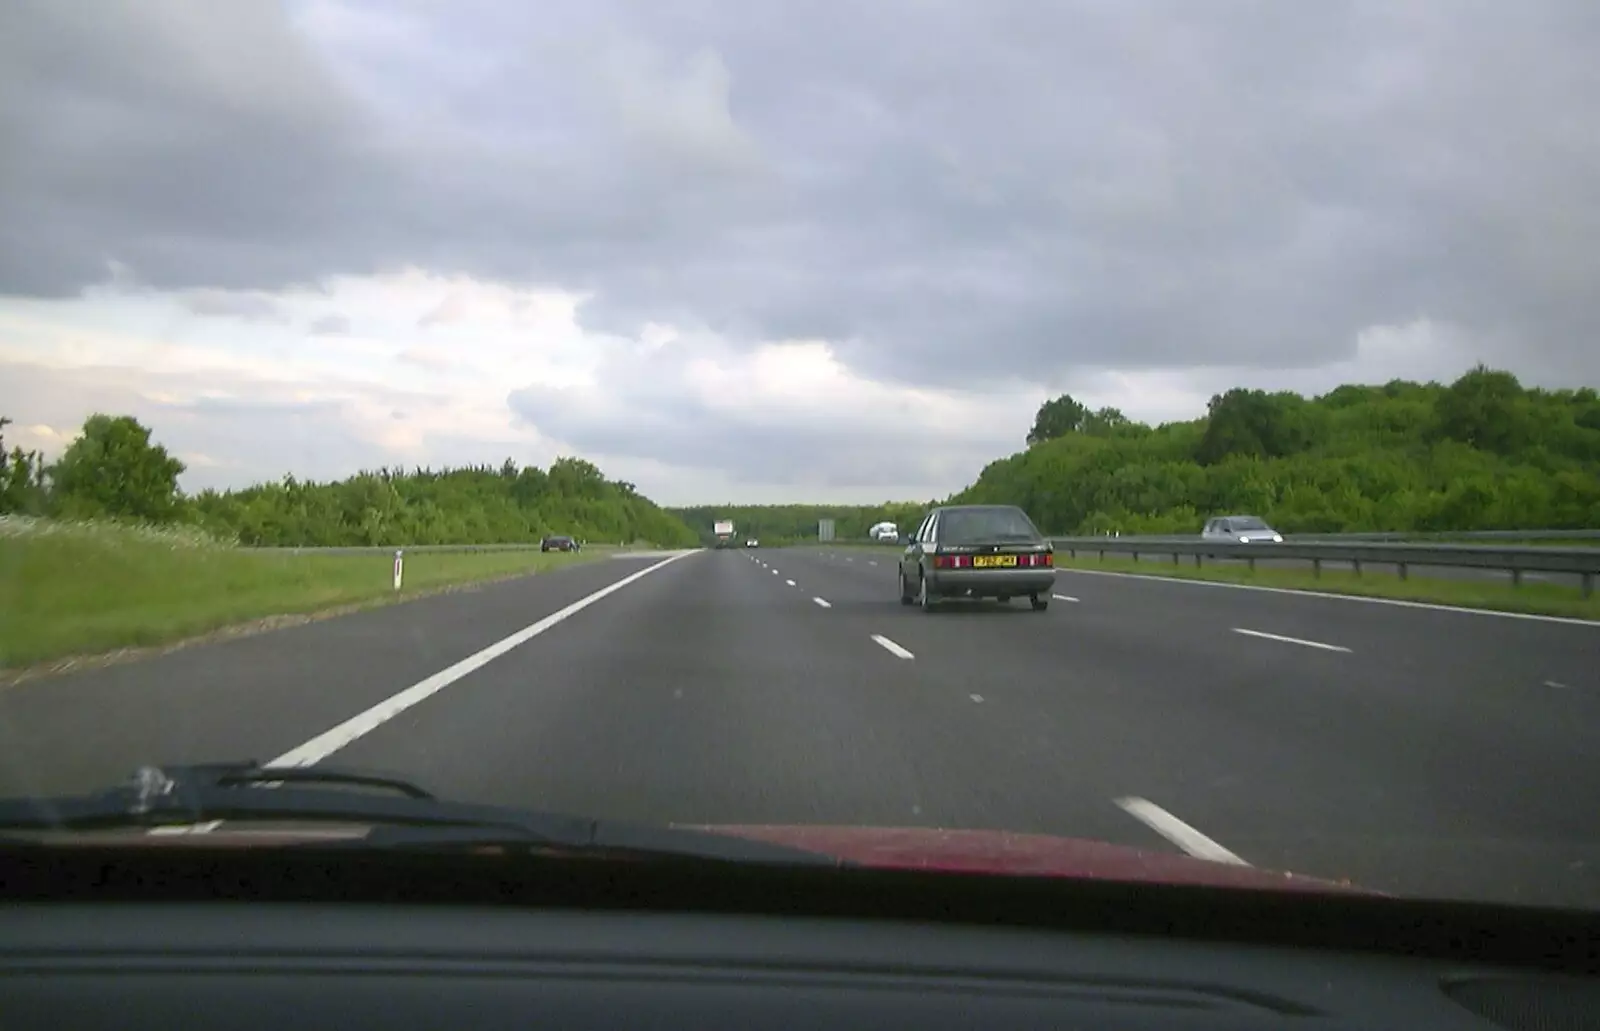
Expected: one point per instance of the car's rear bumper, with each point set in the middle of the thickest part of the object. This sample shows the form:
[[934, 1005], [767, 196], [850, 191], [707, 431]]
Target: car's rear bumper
[[991, 582]]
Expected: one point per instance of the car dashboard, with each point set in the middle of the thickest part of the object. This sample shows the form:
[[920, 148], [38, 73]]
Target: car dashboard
[[400, 955]]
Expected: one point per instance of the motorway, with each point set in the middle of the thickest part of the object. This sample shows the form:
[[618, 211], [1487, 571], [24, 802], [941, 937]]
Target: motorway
[[1409, 749]]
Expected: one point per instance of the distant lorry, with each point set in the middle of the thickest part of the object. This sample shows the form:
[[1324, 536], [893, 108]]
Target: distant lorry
[[884, 532], [723, 529]]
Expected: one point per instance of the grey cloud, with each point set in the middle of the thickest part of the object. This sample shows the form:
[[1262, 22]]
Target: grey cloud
[[252, 440], [249, 305], [955, 192], [329, 325], [685, 434], [650, 410]]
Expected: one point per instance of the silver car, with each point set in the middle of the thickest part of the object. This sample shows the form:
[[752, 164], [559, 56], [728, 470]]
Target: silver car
[[977, 551], [1240, 529]]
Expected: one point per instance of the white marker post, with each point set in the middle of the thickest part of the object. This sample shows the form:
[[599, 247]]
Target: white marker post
[[399, 564]]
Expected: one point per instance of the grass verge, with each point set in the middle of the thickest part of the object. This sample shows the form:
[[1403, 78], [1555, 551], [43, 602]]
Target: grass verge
[[1543, 599], [90, 589]]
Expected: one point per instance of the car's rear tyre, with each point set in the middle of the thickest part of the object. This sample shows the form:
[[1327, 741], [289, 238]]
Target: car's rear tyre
[[1039, 603], [924, 596], [905, 593]]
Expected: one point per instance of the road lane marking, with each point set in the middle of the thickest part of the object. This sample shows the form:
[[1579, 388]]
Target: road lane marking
[[1397, 602], [892, 648], [789, 582], [330, 741], [774, 572], [871, 563], [1176, 831], [1063, 597], [976, 698], [1290, 640], [824, 604], [185, 828]]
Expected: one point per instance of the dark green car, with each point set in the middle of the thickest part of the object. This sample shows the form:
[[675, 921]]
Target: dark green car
[[977, 551]]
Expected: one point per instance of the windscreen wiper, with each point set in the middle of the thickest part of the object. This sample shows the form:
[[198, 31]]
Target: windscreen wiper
[[407, 816]]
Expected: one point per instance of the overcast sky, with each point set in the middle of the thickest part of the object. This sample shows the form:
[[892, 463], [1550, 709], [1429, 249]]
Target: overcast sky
[[760, 250]]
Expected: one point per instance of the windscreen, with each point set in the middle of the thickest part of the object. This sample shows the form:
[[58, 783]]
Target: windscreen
[[318, 316], [977, 525]]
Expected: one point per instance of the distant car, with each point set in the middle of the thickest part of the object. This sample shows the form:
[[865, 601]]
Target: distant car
[[1240, 529], [558, 543], [977, 551], [752, 543]]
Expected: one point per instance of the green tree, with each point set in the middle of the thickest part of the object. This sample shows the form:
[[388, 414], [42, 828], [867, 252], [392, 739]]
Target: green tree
[[1481, 409], [1253, 423], [1107, 422], [113, 469], [21, 478], [1482, 453], [1056, 418]]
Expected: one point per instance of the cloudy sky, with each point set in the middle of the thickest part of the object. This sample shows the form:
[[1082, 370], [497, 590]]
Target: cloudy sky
[[761, 250]]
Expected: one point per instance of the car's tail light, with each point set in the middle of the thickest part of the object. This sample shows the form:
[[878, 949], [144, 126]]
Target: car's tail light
[[952, 561]]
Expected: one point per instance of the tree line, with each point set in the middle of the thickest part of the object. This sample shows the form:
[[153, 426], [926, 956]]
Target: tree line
[[1483, 452], [114, 470], [787, 524]]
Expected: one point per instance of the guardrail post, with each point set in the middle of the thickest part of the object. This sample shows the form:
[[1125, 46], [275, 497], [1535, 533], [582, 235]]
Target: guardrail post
[[1403, 568], [1356, 564], [1516, 577], [1588, 585], [1316, 568], [1197, 560], [1176, 558]]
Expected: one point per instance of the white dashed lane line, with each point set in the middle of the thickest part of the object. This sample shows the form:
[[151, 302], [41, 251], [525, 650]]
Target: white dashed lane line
[[1290, 640], [1176, 831], [892, 648], [789, 582], [822, 603], [1063, 597]]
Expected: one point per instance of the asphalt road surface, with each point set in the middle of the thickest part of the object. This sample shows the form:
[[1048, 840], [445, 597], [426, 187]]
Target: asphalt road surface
[[1409, 749]]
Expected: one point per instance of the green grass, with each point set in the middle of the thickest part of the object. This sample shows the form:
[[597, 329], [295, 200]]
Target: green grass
[[68, 590], [1537, 598]]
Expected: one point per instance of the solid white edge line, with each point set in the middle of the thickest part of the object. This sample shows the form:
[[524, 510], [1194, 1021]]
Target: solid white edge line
[[1063, 597], [822, 603], [1290, 640], [1398, 602], [1176, 831], [892, 648], [330, 741]]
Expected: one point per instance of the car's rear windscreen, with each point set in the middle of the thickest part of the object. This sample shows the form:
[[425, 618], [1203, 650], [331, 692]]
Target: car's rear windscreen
[[972, 525]]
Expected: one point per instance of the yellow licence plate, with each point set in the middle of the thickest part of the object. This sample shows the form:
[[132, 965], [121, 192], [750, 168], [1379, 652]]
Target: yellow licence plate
[[991, 561]]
